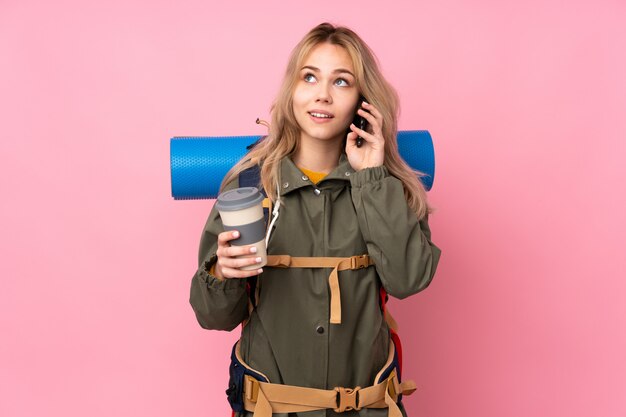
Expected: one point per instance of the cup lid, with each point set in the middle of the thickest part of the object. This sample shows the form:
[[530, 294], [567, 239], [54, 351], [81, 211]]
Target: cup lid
[[239, 199]]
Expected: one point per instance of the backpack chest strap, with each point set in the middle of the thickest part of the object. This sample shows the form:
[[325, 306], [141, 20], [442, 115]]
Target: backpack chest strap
[[337, 263]]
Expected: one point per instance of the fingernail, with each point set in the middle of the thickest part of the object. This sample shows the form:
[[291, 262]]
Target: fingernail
[[259, 259], [260, 270], [235, 234], [253, 249], [366, 103]]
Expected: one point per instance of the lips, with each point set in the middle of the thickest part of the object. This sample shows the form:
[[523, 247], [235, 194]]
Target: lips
[[321, 114]]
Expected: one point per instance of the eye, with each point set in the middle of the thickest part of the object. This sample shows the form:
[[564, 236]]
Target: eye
[[307, 75], [346, 83]]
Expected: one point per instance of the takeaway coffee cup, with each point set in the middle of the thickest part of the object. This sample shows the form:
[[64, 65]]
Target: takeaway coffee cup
[[242, 209]]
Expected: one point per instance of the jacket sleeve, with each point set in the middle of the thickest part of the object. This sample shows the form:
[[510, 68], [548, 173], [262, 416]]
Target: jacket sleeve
[[218, 304], [406, 259]]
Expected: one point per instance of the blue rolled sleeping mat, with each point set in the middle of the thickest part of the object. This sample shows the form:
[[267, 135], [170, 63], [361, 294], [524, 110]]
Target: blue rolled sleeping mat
[[199, 164]]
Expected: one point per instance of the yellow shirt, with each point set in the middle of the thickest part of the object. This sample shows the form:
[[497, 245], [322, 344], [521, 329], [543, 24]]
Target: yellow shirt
[[315, 177]]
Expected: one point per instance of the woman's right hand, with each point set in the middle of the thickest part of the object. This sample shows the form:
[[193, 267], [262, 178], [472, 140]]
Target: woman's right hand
[[228, 265]]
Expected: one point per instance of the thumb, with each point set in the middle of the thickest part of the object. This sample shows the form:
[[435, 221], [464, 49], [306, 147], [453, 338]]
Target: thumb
[[351, 138]]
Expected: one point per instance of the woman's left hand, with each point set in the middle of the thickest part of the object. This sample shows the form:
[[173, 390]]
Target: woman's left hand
[[372, 151]]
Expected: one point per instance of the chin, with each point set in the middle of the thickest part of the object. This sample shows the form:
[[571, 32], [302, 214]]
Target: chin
[[326, 136]]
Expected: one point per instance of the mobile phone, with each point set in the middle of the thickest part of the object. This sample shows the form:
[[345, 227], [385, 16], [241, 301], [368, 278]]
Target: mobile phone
[[360, 122]]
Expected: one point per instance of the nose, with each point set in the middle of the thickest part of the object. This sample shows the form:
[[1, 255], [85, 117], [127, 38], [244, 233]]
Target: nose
[[323, 93]]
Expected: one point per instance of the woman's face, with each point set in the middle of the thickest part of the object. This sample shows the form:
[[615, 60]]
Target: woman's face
[[325, 95]]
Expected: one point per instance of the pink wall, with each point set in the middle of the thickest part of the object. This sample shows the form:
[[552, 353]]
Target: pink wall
[[526, 102]]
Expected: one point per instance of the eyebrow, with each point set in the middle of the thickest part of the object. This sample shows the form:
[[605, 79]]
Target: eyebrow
[[337, 71]]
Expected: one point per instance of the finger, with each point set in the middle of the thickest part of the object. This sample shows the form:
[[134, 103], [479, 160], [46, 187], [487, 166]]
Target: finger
[[224, 237], [351, 137], [370, 108], [373, 121], [363, 133], [233, 251], [238, 273], [352, 141], [240, 262]]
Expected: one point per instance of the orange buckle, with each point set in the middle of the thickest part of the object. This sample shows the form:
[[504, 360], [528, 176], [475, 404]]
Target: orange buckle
[[359, 262], [347, 399], [393, 386], [251, 388]]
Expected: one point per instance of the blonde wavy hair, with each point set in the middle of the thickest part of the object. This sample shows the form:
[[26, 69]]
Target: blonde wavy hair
[[284, 131]]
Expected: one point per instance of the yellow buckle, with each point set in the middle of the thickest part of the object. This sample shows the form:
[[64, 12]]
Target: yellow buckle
[[347, 399], [251, 388], [359, 262], [393, 386]]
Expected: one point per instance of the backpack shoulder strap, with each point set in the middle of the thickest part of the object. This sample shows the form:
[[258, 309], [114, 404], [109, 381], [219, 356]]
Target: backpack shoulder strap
[[251, 177]]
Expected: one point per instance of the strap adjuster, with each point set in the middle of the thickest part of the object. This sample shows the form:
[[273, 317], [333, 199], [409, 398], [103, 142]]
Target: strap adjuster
[[251, 388], [393, 386], [347, 399], [359, 262]]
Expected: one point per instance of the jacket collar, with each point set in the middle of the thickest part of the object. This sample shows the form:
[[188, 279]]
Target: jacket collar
[[292, 178]]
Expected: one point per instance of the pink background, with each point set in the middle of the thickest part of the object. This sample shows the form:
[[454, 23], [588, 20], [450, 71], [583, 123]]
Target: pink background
[[526, 102]]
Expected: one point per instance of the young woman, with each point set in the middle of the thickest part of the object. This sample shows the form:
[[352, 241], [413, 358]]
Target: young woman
[[354, 210]]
